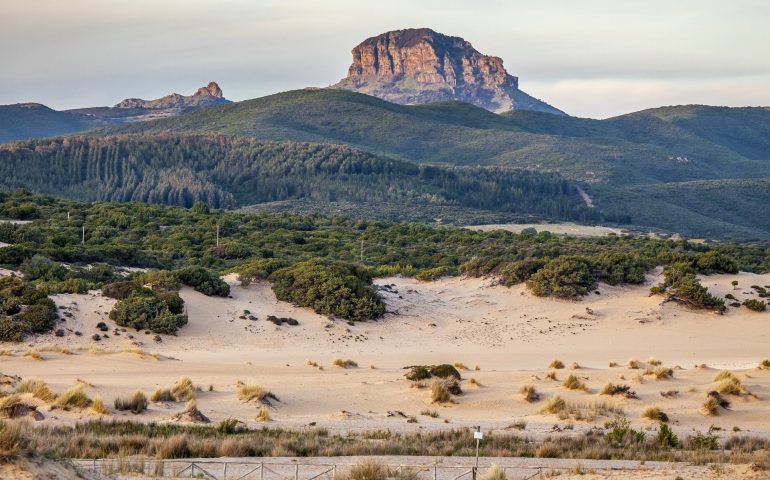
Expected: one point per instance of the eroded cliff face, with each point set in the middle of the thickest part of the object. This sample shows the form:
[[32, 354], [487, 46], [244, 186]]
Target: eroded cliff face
[[420, 66]]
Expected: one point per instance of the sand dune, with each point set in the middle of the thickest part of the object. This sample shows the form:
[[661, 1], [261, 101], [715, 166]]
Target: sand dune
[[509, 334]]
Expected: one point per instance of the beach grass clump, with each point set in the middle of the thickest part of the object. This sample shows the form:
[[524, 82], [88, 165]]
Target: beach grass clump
[[764, 364], [474, 383], [529, 393], [75, 397], [460, 366], [439, 392], [714, 401], [654, 362], [617, 389], [38, 388], [495, 472], [34, 355], [12, 406], [731, 386], [655, 414], [574, 383], [250, 392], [136, 403], [663, 373], [554, 406], [556, 364], [97, 406], [162, 395], [263, 415], [429, 413], [183, 389], [634, 364], [551, 376], [345, 363]]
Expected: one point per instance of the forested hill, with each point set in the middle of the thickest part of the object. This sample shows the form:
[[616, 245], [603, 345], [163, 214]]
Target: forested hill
[[228, 172]]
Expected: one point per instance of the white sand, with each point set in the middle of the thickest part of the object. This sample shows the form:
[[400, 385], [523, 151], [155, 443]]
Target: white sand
[[511, 335]]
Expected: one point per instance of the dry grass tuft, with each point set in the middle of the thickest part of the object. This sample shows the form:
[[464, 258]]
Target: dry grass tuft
[[576, 366], [97, 406], [556, 364], [663, 373], [551, 376], [38, 388], [554, 406], [162, 395], [529, 393], [764, 364], [345, 363], [460, 366], [474, 383], [731, 386], [55, 349], [75, 397], [574, 383], [439, 392], [183, 390], [249, 392], [429, 413], [613, 364], [655, 414], [613, 389], [263, 415], [34, 355], [495, 472], [724, 375], [634, 364], [136, 403], [654, 362], [6, 353]]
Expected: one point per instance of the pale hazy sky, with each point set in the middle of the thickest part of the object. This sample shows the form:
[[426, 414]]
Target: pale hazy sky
[[594, 58]]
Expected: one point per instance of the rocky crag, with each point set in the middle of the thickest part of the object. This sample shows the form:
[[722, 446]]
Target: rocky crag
[[416, 66]]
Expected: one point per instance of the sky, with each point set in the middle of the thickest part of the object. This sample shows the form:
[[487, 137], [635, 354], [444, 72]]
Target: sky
[[590, 58]]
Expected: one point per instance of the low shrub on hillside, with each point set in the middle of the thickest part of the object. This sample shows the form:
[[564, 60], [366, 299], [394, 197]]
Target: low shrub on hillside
[[203, 281], [150, 311]]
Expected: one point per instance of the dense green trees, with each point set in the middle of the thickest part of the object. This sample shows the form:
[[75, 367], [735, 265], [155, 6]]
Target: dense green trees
[[226, 172], [167, 239]]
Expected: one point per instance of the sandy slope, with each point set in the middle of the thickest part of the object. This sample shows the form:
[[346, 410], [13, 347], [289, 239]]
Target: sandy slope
[[511, 336]]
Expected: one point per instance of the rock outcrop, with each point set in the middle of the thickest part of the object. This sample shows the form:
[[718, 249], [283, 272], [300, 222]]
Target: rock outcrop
[[208, 96], [415, 66]]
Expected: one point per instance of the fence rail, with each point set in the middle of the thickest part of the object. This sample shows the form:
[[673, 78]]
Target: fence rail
[[252, 470]]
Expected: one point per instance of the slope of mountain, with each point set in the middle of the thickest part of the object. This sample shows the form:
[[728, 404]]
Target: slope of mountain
[[32, 120], [227, 172], [415, 66], [626, 150]]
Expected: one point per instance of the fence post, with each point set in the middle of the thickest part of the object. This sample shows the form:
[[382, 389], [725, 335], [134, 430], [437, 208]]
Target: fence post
[[334, 472], [296, 472], [94, 465], [435, 472], [262, 471], [224, 475]]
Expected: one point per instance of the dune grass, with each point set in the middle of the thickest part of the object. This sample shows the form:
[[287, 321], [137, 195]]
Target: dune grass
[[162, 395], [345, 363], [136, 403], [529, 393], [574, 383], [554, 406], [249, 392], [263, 415], [663, 373], [97, 406], [655, 414], [556, 364], [34, 355], [75, 397], [439, 392], [764, 364], [183, 390], [38, 388], [634, 364]]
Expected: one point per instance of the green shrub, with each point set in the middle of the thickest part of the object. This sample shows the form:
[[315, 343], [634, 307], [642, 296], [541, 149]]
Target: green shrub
[[337, 288], [203, 281], [40, 317], [666, 437], [147, 311], [136, 403], [564, 277], [754, 304]]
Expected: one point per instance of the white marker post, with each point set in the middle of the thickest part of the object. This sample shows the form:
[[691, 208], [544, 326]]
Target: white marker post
[[479, 436]]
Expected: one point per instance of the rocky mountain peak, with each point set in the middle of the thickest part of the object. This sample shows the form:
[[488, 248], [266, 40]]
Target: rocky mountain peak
[[419, 65], [212, 89], [208, 96]]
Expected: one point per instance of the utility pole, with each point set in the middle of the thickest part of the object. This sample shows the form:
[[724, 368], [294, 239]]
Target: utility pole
[[83, 237], [361, 256], [217, 234]]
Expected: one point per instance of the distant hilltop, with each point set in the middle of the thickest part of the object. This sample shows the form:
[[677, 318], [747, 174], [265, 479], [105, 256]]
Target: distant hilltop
[[208, 96], [415, 66]]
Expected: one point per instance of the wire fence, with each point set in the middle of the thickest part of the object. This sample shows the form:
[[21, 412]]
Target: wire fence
[[252, 470]]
